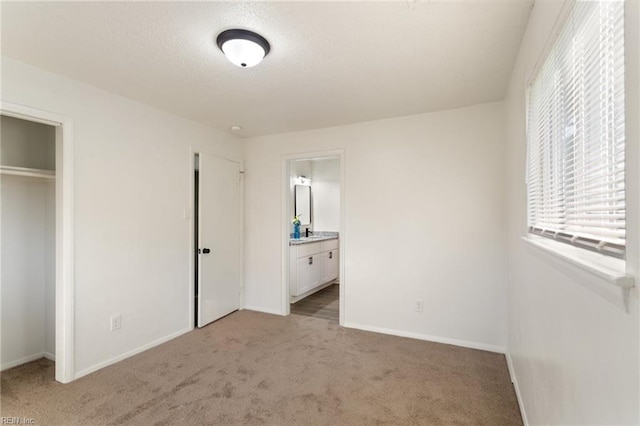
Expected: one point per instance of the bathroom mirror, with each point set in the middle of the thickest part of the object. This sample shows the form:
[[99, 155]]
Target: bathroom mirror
[[303, 203]]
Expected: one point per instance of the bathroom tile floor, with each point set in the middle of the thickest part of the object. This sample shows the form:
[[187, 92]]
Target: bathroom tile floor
[[323, 304]]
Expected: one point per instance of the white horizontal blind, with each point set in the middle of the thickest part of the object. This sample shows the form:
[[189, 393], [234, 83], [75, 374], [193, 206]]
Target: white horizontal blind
[[576, 133]]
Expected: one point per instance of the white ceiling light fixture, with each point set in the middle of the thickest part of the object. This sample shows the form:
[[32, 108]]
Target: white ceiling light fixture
[[242, 47]]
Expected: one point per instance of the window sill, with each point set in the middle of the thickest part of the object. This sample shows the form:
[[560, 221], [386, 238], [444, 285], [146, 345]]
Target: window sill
[[611, 280]]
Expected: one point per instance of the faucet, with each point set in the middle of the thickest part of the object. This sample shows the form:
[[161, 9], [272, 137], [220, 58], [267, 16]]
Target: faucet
[[307, 232]]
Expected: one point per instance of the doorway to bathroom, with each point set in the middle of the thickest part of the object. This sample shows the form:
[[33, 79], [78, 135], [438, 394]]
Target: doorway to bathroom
[[313, 235]]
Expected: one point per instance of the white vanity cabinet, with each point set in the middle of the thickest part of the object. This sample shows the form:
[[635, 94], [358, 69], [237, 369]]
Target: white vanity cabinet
[[308, 273], [329, 261], [312, 265]]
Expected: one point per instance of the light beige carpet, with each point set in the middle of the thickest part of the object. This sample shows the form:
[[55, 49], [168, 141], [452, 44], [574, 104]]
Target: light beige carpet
[[256, 368]]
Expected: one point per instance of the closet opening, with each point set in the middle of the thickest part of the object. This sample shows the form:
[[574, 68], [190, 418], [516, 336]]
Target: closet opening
[[28, 211], [36, 262]]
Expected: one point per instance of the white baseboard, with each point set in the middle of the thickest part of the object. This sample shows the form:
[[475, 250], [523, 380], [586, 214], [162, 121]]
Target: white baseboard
[[263, 310], [23, 360], [131, 353], [514, 380], [419, 336], [49, 356]]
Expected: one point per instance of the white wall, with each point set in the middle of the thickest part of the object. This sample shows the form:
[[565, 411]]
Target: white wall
[[132, 182], [27, 331], [325, 193], [574, 355], [423, 205], [301, 168]]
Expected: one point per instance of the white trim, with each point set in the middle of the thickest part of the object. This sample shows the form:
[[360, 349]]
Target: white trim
[[23, 360], [342, 277], [31, 114], [242, 216], [286, 172], [65, 286], [605, 267], [429, 338], [263, 310], [286, 188], [130, 353], [65, 278], [514, 380], [49, 356], [611, 281]]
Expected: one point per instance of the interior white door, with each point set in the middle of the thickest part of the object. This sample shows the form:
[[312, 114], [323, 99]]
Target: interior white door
[[220, 221]]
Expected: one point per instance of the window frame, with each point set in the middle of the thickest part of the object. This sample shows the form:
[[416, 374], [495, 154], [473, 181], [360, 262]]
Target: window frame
[[546, 150]]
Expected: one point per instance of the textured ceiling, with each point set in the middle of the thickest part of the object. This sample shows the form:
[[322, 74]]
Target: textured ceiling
[[331, 63]]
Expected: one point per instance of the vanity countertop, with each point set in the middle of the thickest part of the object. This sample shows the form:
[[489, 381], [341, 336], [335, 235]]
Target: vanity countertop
[[319, 236]]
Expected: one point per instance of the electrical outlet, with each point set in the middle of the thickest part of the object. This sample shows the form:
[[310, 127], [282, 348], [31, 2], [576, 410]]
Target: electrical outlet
[[116, 322], [419, 305]]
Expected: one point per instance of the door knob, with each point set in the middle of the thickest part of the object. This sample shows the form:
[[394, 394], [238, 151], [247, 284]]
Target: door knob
[[206, 251]]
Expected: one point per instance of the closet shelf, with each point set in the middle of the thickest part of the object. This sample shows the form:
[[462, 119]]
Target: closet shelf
[[27, 172]]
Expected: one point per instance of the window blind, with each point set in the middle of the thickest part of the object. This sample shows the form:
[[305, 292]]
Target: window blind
[[576, 133]]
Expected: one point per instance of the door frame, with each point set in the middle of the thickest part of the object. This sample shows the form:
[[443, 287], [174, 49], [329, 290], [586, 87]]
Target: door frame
[[64, 282], [286, 223], [190, 214]]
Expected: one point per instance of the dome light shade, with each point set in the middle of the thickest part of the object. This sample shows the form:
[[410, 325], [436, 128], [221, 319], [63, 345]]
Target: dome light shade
[[243, 48]]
